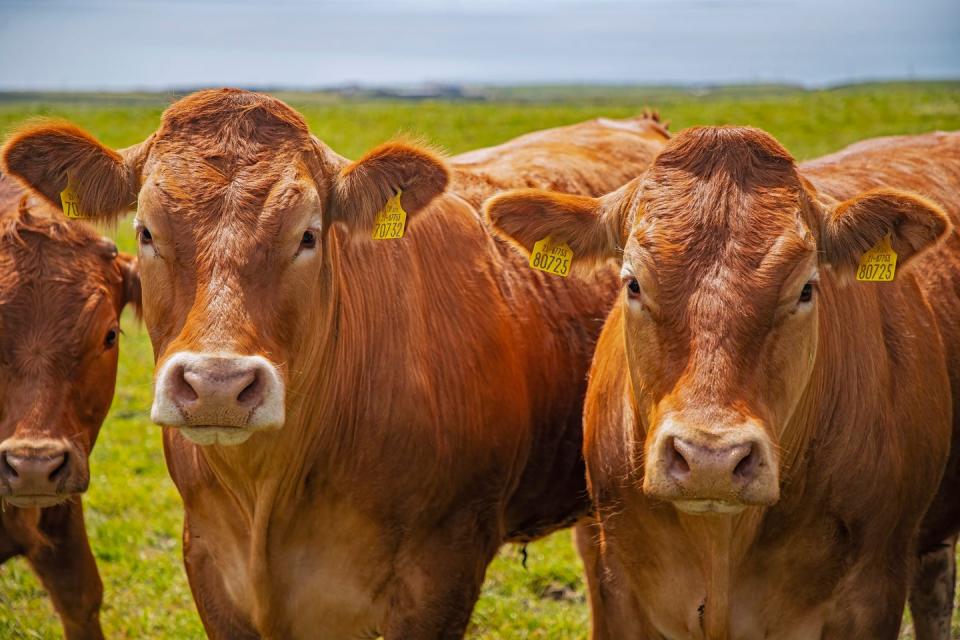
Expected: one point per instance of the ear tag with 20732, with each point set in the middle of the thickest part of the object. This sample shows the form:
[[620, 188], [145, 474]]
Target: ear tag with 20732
[[551, 257], [391, 222], [879, 264]]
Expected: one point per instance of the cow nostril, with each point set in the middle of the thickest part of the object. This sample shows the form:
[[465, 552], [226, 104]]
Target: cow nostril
[[6, 468], [182, 389], [747, 466], [677, 464], [59, 470], [252, 392]]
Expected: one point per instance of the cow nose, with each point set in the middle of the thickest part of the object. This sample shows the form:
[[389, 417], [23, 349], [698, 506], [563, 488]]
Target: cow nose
[[34, 472], [717, 468], [220, 383], [689, 463], [227, 391]]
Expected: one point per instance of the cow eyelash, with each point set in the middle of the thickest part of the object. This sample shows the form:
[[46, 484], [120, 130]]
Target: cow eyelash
[[308, 241], [112, 337], [144, 236], [807, 292]]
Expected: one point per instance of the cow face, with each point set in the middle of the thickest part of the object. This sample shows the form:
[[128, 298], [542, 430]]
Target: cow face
[[62, 289], [722, 246], [235, 202]]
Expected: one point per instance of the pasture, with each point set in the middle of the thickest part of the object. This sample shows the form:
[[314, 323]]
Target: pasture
[[132, 510]]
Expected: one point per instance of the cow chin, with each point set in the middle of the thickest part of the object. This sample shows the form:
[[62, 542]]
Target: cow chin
[[709, 506]]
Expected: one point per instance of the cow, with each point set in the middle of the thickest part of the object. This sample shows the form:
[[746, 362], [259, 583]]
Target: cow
[[354, 426], [763, 432], [62, 289]]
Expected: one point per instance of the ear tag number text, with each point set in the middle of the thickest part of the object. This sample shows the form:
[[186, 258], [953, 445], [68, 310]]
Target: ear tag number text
[[391, 222], [71, 203], [879, 264], [552, 258]]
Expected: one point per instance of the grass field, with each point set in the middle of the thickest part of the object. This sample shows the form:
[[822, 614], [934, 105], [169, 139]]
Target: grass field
[[133, 512]]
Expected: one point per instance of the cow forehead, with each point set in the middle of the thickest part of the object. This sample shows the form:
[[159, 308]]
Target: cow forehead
[[228, 134], [228, 150], [186, 184], [201, 204], [231, 122], [721, 199], [47, 312]]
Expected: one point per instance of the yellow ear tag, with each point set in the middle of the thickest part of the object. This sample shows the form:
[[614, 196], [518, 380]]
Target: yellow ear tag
[[552, 258], [391, 222], [71, 203], [879, 264]]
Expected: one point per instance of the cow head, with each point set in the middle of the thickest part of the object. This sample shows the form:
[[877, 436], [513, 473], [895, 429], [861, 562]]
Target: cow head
[[62, 289], [722, 245], [235, 204]]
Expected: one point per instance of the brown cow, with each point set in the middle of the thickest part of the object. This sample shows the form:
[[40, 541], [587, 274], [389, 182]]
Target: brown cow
[[763, 433], [358, 425], [62, 289]]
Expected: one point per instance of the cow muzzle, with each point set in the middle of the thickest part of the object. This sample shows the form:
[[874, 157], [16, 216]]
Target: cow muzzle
[[712, 471], [40, 473], [220, 398]]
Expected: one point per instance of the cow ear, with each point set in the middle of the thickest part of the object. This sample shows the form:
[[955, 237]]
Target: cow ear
[[592, 227], [130, 270], [48, 156], [364, 187], [853, 227]]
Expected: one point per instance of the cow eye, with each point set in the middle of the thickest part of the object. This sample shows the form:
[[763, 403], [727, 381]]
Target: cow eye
[[309, 240], [633, 287], [145, 236], [111, 338], [806, 294]]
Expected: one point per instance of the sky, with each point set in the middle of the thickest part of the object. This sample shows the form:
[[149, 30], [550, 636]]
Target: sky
[[153, 44]]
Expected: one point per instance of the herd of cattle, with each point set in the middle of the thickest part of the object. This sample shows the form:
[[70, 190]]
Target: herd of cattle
[[751, 441]]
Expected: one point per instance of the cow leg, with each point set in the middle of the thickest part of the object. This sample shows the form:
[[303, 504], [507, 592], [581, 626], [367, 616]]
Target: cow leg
[[931, 598], [435, 593], [66, 567], [8, 546], [614, 612], [221, 620], [588, 546], [873, 596]]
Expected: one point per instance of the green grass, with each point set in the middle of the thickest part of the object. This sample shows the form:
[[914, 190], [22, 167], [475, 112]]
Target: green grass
[[133, 512]]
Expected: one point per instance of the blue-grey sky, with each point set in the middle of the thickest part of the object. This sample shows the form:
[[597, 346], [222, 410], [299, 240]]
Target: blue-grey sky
[[154, 44]]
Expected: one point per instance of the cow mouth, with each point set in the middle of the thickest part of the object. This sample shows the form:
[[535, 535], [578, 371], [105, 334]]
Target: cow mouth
[[205, 435], [709, 506], [39, 501]]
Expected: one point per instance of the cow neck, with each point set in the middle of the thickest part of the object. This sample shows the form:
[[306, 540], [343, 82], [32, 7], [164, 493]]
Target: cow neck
[[712, 536], [721, 542]]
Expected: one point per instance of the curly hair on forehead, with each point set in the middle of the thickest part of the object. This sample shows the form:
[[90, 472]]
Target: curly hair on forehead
[[233, 114], [736, 151]]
